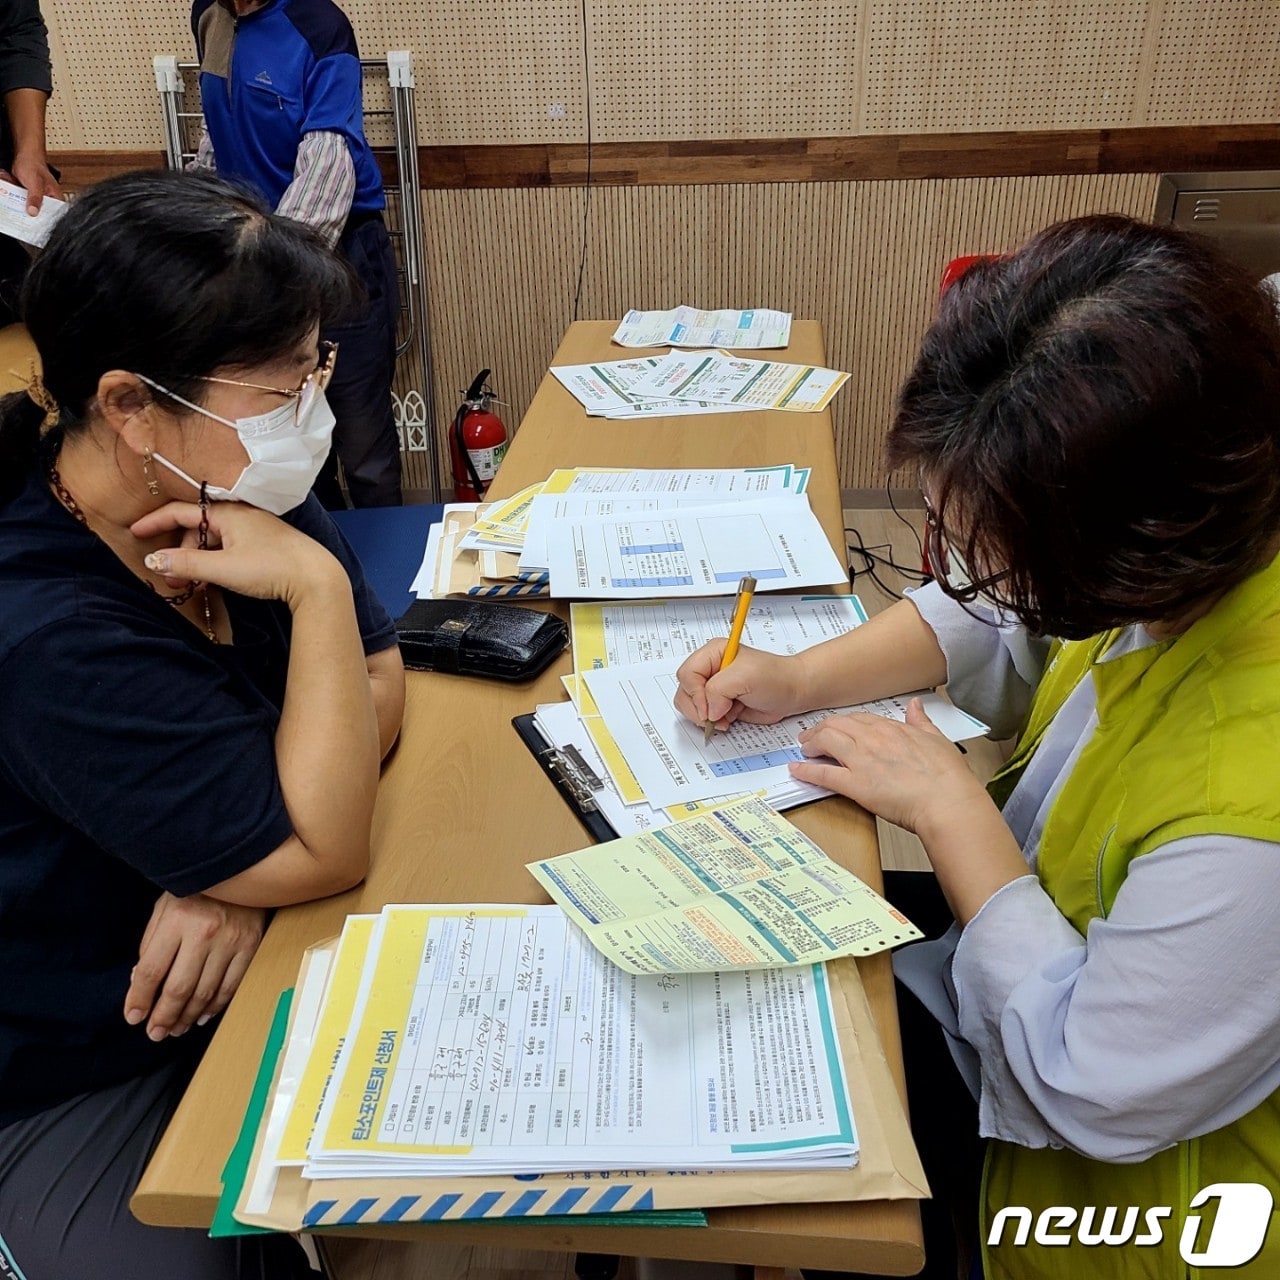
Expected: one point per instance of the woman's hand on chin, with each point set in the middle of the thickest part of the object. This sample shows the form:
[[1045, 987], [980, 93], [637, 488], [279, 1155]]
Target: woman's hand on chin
[[250, 552]]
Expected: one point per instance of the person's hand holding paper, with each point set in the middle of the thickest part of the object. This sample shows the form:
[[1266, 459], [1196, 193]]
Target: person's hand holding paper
[[34, 176]]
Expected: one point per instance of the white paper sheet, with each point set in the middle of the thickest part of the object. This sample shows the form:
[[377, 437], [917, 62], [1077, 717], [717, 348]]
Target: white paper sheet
[[604, 390], [427, 582], [693, 552], [721, 378], [561, 725], [496, 1039], [724, 481], [551, 512], [672, 764], [15, 221], [689, 327], [616, 635]]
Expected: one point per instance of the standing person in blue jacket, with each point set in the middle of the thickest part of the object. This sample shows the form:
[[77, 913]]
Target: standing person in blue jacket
[[25, 85], [280, 84]]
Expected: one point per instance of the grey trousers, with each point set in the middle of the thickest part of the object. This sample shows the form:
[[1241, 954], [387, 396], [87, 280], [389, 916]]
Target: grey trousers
[[66, 1176]]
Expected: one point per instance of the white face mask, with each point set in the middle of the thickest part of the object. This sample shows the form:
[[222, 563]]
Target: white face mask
[[286, 447]]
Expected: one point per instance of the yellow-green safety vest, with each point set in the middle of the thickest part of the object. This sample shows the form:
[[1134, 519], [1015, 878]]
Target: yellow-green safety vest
[[1187, 744]]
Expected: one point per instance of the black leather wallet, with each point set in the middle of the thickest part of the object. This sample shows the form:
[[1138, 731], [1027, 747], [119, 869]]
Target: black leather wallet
[[478, 638]]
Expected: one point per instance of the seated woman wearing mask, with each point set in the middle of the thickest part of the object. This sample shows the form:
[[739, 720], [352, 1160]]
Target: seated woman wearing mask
[[198, 688], [1094, 422]]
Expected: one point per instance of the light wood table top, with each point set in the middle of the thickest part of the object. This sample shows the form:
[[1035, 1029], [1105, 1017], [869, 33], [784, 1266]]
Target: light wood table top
[[463, 806]]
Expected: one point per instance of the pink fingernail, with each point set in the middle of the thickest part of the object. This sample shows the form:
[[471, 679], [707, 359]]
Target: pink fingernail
[[204, 1017], [134, 1016], [157, 1033]]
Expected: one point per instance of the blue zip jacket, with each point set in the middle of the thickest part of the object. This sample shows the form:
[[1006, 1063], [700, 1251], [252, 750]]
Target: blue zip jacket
[[285, 70]]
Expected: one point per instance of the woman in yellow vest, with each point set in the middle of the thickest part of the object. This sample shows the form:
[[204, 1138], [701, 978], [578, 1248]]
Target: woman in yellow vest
[[1096, 423]]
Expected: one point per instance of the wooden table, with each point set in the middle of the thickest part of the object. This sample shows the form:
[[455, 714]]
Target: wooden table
[[463, 806]]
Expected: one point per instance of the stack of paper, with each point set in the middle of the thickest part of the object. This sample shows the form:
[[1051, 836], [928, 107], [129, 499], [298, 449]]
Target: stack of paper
[[689, 327], [643, 762], [634, 636], [697, 382], [453, 564], [670, 762], [634, 535], [737, 887], [494, 1039], [604, 389]]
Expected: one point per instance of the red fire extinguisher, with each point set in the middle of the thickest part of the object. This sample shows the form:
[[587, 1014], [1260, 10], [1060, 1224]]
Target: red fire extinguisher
[[478, 441]]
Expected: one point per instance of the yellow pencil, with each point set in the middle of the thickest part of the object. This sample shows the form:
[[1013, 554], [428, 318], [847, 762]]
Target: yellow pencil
[[746, 589]]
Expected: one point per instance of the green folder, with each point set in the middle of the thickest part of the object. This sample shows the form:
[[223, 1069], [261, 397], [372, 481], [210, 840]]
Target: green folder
[[236, 1169]]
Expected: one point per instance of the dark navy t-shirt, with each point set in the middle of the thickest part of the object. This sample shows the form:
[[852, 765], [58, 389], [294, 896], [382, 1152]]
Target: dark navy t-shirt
[[135, 756]]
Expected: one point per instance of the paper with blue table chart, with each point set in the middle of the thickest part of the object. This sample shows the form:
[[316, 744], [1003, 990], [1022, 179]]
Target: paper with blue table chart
[[549, 514], [604, 493], [491, 1039], [689, 327], [693, 552], [504, 524], [673, 764], [734, 888]]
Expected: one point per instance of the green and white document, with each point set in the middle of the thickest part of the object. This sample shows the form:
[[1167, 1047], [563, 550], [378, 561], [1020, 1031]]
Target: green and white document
[[738, 887]]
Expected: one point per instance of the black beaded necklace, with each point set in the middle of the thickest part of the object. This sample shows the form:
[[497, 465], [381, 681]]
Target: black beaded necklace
[[65, 497]]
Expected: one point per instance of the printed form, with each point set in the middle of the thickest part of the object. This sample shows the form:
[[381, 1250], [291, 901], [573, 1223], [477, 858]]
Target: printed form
[[561, 725], [725, 481], [550, 511], [617, 635], [688, 327], [667, 755], [496, 1039], [693, 552], [737, 887], [720, 378], [604, 390]]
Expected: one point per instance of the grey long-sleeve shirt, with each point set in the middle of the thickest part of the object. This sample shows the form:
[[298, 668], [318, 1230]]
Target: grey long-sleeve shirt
[[1159, 1025]]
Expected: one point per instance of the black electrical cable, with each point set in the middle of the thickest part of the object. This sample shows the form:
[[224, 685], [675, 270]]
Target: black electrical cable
[[586, 191], [871, 562], [915, 533]]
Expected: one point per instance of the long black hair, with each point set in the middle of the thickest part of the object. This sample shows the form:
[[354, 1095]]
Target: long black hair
[[1096, 415], [170, 275]]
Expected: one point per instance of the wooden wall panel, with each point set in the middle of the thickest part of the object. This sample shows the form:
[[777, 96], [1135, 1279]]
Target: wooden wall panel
[[1212, 62], [512, 71], [988, 64], [862, 257]]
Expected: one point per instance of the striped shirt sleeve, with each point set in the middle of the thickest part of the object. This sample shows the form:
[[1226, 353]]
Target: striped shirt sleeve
[[204, 160], [323, 186]]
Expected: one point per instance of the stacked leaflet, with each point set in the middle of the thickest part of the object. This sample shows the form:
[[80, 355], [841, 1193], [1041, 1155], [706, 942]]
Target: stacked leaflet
[[639, 636], [693, 382], [495, 1039], [622, 534], [641, 761]]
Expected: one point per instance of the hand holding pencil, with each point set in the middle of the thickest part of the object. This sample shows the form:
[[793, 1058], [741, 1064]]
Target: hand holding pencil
[[725, 680], [746, 589]]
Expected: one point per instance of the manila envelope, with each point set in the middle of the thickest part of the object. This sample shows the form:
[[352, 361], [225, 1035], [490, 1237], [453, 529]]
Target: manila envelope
[[888, 1165]]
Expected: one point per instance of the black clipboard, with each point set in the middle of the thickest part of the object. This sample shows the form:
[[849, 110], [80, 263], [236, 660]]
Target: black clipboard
[[566, 773]]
